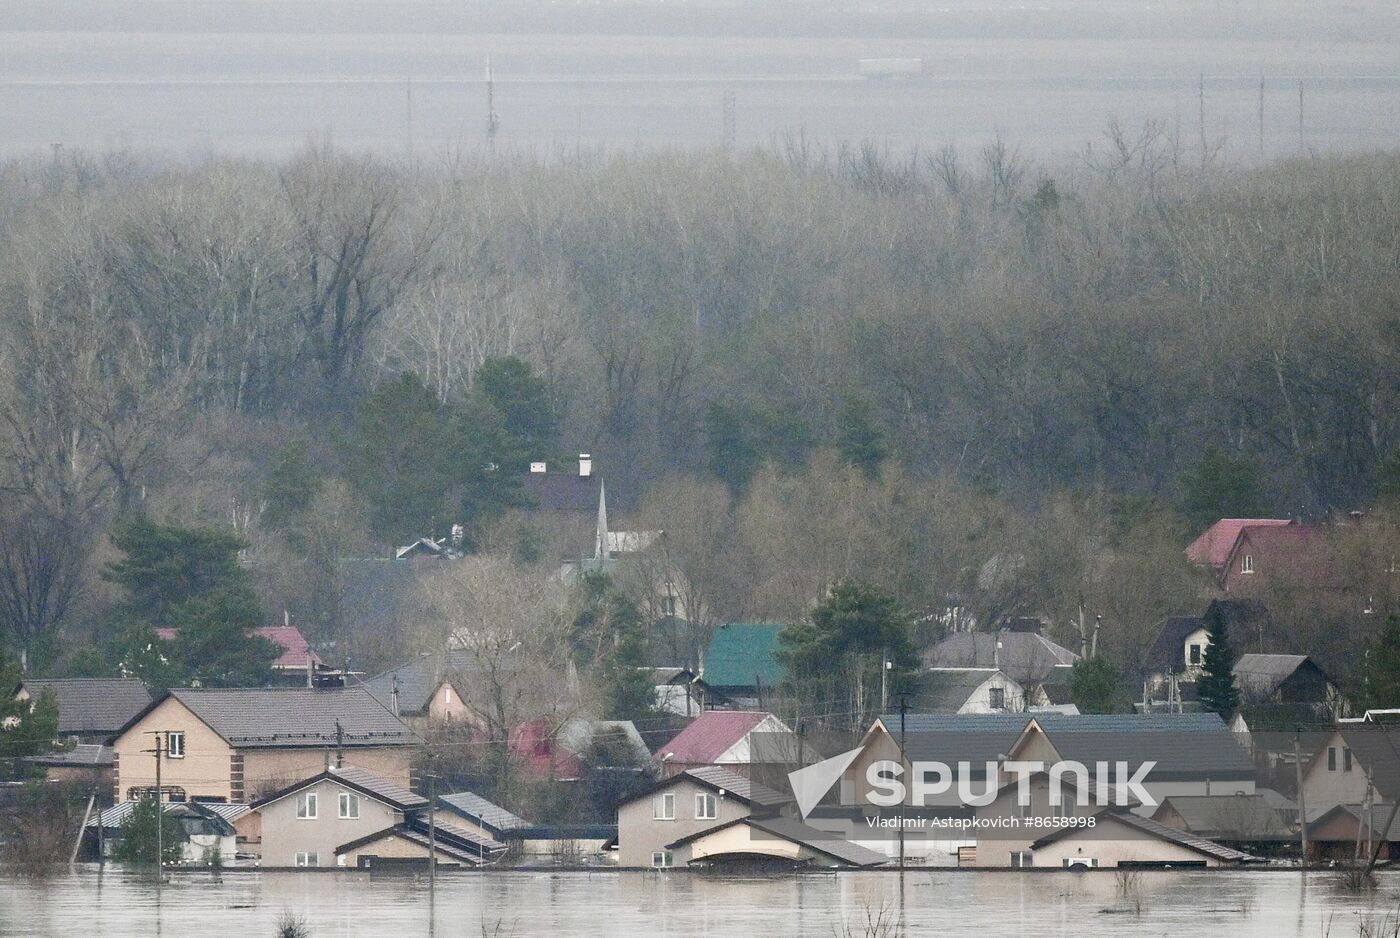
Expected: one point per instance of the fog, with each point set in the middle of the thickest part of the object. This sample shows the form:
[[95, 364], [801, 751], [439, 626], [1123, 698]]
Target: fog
[[1241, 80]]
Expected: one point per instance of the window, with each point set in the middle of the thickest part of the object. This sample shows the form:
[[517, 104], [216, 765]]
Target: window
[[1346, 759], [1193, 654], [706, 807], [661, 859], [996, 698], [308, 859], [175, 745], [349, 805], [1021, 859], [1331, 758], [306, 806], [663, 806], [1071, 862], [1247, 563]]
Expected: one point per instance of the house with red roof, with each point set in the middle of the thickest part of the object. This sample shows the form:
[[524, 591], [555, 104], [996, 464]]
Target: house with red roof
[[1212, 549], [738, 740], [1298, 555]]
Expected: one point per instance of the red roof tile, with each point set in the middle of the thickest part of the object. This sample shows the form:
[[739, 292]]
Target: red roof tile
[[1212, 549], [712, 733]]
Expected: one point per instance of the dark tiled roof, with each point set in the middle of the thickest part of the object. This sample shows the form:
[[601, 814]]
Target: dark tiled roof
[[1023, 656], [488, 814], [1374, 746], [948, 689], [83, 755], [365, 782], [277, 717], [1261, 675], [561, 491], [378, 594], [1152, 829], [1229, 817], [742, 654], [1166, 654], [1373, 816], [92, 705], [732, 783], [418, 679], [451, 829], [794, 831], [1184, 745]]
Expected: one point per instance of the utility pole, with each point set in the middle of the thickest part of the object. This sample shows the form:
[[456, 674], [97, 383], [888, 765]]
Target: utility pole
[[1261, 116], [1302, 805], [903, 712], [1385, 835], [432, 834], [339, 743], [884, 680], [493, 123], [158, 751]]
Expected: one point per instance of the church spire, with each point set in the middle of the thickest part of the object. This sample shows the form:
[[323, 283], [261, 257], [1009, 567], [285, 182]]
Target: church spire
[[600, 542]]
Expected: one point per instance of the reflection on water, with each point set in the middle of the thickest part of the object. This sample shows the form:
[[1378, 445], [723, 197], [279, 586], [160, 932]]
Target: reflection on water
[[1264, 903]]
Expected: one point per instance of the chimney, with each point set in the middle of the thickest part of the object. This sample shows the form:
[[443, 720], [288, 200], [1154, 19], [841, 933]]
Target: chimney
[[585, 465], [459, 536], [538, 467]]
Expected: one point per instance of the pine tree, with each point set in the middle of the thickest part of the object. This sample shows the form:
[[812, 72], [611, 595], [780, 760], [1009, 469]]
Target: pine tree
[[1382, 667], [1216, 688]]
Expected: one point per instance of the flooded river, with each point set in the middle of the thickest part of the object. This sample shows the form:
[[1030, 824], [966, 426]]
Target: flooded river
[[1241, 904]]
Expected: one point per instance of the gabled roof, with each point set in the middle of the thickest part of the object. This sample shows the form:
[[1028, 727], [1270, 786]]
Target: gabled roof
[[419, 678], [1166, 653], [1023, 656], [1303, 555], [1212, 548], [360, 780], [949, 689], [1151, 828], [794, 831], [91, 705], [478, 810], [742, 654], [1374, 817], [710, 735], [1229, 817], [449, 840], [1261, 675], [717, 779], [290, 717], [561, 491], [1373, 746], [1185, 746]]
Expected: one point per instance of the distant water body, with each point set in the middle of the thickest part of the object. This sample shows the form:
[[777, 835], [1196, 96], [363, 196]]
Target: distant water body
[[1261, 904], [261, 93]]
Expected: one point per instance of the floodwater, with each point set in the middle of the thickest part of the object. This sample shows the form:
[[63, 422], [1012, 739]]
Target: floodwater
[[1270, 903], [267, 93]]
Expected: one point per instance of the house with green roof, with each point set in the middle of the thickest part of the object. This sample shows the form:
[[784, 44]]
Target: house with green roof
[[741, 662]]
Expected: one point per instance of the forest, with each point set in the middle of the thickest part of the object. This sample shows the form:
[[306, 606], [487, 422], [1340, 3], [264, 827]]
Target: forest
[[968, 378]]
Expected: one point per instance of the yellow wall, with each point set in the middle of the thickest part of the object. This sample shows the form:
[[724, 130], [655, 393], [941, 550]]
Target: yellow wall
[[203, 772]]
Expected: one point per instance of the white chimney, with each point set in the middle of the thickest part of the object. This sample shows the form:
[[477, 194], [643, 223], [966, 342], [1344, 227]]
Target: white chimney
[[585, 465], [537, 467]]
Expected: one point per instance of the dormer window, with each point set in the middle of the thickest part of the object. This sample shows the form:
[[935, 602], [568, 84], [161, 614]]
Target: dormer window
[[1193, 654], [1247, 563], [996, 698]]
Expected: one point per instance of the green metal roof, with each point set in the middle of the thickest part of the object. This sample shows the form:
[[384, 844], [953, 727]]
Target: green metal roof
[[741, 654]]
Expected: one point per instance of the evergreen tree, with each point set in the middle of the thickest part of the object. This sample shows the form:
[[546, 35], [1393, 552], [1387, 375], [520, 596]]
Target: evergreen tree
[[844, 645], [1381, 671], [1216, 688], [27, 727], [1095, 686], [187, 579], [139, 841], [529, 423], [609, 637], [291, 486], [859, 439]]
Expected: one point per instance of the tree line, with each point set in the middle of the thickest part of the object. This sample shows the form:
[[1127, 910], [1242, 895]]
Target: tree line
[[974, 381]]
